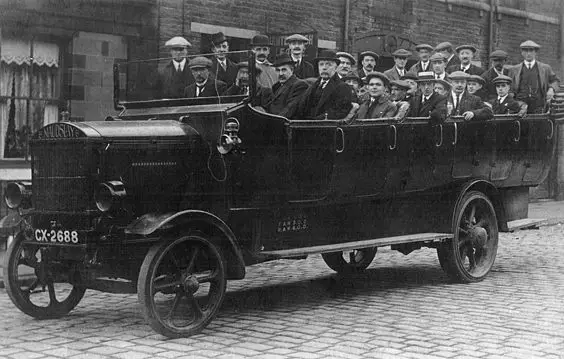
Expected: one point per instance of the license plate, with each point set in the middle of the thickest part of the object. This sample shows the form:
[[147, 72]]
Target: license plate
[[57, 236]]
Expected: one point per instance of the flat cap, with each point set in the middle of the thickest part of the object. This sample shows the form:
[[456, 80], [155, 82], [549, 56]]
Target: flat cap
[[178, 41], [458, 75], [437, 57], [352, 76], [347, 55], [409, 76], [443, 46], [424, 47], [529, 44], [401, 84], [297, 37], [502, 79], [477, 78], [426, 76], [498, 54], [368, 53], [200, 61], [378, 75], [401, 53], [446, 84], [468, 47]]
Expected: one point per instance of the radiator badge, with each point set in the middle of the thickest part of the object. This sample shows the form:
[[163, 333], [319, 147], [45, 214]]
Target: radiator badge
[[59, 130]]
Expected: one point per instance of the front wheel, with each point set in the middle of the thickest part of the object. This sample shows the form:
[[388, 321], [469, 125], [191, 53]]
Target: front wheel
[[38, 284], [181, 285], [470, 254], [353, 261]]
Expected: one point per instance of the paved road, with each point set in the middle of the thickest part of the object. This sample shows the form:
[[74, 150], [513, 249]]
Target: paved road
[[402, 307]]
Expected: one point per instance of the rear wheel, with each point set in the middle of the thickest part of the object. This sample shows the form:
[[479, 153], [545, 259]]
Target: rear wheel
[[471, 253], [353, 261], [39, 285], [181, 285]]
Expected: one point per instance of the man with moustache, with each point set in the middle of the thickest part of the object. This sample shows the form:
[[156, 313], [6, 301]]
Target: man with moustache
[[260, 45], [368, 61], [328, 97], [223, 68], [400, 59], [427, 102], [204, 85], [345, 65], [423, 65], [446, 49], [498, 59], [288, 91], [242, 86], [466, 54], [176, 75], [297, 45], [463, 103]]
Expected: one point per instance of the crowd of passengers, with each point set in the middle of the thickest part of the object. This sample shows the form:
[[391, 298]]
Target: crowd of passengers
[[443, 82]]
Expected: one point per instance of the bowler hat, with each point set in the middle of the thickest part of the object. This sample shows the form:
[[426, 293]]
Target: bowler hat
[[478, 79], [260, 40], [437, 57], [498, 54], [424, 47], [283, 59], [368, 53], [200, 61], [459, 75], [379, 75], [443, 46], [502, 79], [401, 53], [327, 55], [352, 76], [177, 41], [425, 76], [297, 37], [469, 47], [245, 64], [347, 55], [529, 44], [218, 38], [401, 84]]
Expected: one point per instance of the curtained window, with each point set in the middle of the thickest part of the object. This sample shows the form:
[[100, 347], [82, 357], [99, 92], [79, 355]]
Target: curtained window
[[29, 92]]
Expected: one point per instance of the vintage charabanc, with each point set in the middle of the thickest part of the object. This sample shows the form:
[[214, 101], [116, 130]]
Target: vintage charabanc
[[174, 197]]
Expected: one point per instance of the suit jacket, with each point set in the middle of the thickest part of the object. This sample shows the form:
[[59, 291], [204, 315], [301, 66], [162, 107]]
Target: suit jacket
[[304, 70], [435, 107], [170, 83], [268, 76], [382, 107], [417, 68], [472, 70], [547, 77], [212, 88], [454, 60], [286, 97], [489, 75], [469, 102], [393, 73], [335, 100], [228, 75], [508, 106]]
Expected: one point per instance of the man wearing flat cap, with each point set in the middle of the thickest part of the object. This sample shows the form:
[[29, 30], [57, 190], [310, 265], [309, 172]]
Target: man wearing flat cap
[[328, 97], [427, 102], [346, 61], [176, 75], [297, 46], [475, 85], [367, 59], [288, 91], [464, 104], [224, 69], [466, 54], [400, 59], [204, 85], [398, 93], [242, 86], [534, 82], [498, 59], [438, 65], [356, 84], [504, 103], [424, 51], [260, 45], [446, 49], [379, 105]]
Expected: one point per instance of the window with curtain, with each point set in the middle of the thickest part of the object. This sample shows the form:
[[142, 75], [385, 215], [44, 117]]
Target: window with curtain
[[29, 92]]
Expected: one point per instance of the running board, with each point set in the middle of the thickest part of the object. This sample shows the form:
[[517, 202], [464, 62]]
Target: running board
[[526, 223], [348, 246]]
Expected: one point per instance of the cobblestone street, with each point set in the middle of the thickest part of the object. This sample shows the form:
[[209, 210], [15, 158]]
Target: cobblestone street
[[401, 307]]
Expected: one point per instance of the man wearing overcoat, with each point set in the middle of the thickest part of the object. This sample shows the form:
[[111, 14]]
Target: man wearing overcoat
[[260, 45], [288, 91], [224, 69], [176, 75], [498, 59], [297, 45], [446, 49], [427, 102], [466, 54], [399, 70], [423, 65], [463, 103]]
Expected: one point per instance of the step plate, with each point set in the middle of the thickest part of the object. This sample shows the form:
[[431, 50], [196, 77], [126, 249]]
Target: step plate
[[526, 223]]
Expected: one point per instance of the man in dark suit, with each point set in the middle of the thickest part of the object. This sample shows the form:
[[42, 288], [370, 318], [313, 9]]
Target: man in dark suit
[[446, 49], [224, 69], [176, 75], [368, 61], [423, 65], [399, 70], [504, 103], [534, 82], [427, 102], [498, 59], [346, 62], [438, 65], [297, 45], [204, 85], [466, 54], [288, 91], [328, 97], [242, 86], [464, 104]]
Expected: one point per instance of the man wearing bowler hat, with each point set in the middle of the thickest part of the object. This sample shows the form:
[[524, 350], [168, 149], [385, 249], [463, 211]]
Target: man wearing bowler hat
[[463, 103], [260, 45], [367, 59], [346, 61], [424, 51], [204, 85], [288, 91], [224, 69], [176, 75], [427, 102], [498, 59], [466, 54], [328, 97], [534, 82], [446, 49], [399, 70], [297, 45]]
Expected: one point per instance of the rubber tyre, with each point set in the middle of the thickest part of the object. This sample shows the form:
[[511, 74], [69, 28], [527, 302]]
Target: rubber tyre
[[359, 262]]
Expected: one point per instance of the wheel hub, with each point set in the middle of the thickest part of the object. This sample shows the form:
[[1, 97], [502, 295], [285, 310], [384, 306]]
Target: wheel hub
[[478, 236], [191, 284]]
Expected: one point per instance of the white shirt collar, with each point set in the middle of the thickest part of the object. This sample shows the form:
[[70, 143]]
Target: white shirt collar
[[530, 64], [501, 99], [296, 59], [181, 64], [465, 67]]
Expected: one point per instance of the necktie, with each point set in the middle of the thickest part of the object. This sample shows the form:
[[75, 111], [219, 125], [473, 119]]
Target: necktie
[[323, 83], [458, 103], [199, 90], [223, 65]]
